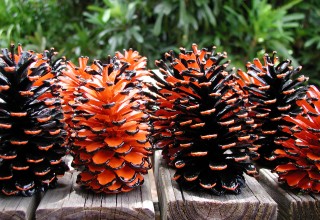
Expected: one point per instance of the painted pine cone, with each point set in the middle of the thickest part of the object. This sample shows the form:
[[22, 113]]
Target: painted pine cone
[[303, 149], [110, 132], [71, 79], [75, 76], [32, 127], [135, 63], [199, 121], [272, 92]]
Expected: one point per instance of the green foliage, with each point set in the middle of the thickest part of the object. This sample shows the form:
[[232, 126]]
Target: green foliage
[[245, 29], [39, 24], [117, 25], [261, 28], [307, 40]]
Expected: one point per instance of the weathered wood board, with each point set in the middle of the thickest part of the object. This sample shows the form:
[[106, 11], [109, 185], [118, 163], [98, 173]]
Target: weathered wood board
[[154, 194], [69, 201], [175, 203], [292, 205], [17, 207]]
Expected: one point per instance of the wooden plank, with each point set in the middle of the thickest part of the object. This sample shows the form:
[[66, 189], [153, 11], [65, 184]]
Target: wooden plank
[[69, 201], [17, 207], [175, 203], [292, 205], [154, 194]]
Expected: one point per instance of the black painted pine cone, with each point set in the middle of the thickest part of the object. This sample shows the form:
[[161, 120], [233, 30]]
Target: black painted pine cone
[[273, 91], [199, 121], [111, 145], [303, 148], [32, 128]]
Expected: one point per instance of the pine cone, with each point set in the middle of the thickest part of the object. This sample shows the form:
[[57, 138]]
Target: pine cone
[[272, 93], [32, 124], [303, 149], [111, 146], [70, 80], [200, 123], [135, 61]]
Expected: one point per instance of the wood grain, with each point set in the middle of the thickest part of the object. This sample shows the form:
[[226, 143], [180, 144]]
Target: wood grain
[[69, 201], [292, 205], [175, 203], [17, 207]]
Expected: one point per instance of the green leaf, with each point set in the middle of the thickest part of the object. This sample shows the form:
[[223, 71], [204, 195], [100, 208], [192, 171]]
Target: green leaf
[[106, 15], [157, 26], [293, 17], [312, 41], [290, 5], [182, 14], [194, 22], [136, 34], [164, 8], [291, 25], [238, 16], [131, 11], [210, 15], [95, 8], [113, 43], [92, 18], [107, 31]]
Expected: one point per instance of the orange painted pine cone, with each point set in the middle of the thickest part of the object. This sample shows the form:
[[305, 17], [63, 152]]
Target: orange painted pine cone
[[32, 127], [71, 79], [110, 132], [199, 121], [303, 149]]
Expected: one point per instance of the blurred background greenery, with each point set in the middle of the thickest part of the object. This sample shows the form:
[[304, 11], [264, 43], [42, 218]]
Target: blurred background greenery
[[244, 29]]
